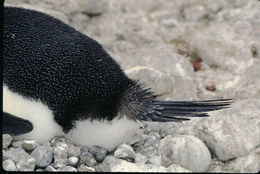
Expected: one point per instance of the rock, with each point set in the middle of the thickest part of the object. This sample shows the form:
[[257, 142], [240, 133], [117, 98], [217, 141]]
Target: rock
[[153, 139], [237, 55], [84, 168], [177, 168], [88, 159], [50, 168], [60, 154], [74, 151], [148, 151], [9, 165], [236, 127], [7, 139], [124, 151], [17, 143], [195, 13], [98, 152], [15, 154], [173, 128], [156, 159], [26, 164], [93, 7], [246, 164], [149, 76], [43, 155], [139, 158], [112, 164], [186, 150], [67, 169], [73, 161], [30, 145], [59, 139], [170, 23]]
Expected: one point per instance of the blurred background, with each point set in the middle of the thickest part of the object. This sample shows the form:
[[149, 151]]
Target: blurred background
[[184, 50]]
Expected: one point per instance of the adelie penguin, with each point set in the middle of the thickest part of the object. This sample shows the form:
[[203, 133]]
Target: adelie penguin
[[58, 81]]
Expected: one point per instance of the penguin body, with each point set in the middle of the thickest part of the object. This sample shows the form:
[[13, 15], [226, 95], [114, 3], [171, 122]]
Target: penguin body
[[65, 83]]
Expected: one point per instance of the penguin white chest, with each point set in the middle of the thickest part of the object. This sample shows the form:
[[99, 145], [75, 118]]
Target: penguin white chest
[[85, 132]]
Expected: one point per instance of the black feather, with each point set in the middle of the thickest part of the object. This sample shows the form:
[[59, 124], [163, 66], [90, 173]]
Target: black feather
[[141, 103]]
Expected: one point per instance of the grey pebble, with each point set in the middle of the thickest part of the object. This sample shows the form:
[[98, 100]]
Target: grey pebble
[[9, 165], [88, 159], [49, 168], [30, 145], [148, 151], [43, 155], [26, 163], [73, 161], [84, 168], [7, 139], [124, 151], [74, 151], [67, 169], [98, 152], [60, 155], [17, 143], [139, 158]]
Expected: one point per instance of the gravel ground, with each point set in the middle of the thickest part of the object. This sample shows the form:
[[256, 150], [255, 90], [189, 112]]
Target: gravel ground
[[184, 50]]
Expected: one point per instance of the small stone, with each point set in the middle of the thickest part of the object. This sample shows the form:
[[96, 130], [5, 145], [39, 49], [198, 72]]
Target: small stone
[[88, 159], [152, 140], [73, 161], [177, 168], [29, 145], [139, 158], [43, 155], [7, 139], [170, 23], [186, 150], [9, 165], [60, 155], [84, 168], [98, 152], [26, 163], [73, 151], [50, 168], [39, 170], [16, 143], [156, 159], [59, 139], [67, 169], [148, 151], [124, 151], [93, 7]]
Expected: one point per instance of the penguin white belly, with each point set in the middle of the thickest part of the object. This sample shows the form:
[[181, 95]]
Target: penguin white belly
[[103, 133], [85, 132], [44, 125]]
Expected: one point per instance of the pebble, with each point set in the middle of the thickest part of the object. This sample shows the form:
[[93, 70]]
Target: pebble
[[139, 158], [93, 7], [98, 152], [84, 168], [67, 169], [30, 145], [60, 154], [7, 139], [43, 155], [74, 151], [26, 163], [124, 151], [88, 159], [9, 165], [73, 161], [186, 150], [49, 168]]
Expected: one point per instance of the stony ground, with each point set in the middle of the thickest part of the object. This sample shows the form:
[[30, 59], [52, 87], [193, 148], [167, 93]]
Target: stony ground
[[184, 50]]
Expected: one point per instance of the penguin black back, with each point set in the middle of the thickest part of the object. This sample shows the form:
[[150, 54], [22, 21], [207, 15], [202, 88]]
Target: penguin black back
[[68, 71]]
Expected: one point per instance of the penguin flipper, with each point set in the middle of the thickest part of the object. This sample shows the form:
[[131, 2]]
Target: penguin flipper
[[14, 125]]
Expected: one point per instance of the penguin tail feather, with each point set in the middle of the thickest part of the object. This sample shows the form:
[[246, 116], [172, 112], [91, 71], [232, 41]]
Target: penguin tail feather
[[140, 103]]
